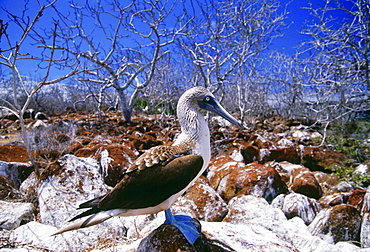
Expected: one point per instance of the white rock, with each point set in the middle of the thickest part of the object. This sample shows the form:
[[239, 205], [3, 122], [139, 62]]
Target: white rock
[[365, 230], [12, 215], [363, 168], [289, 167], [296, 204], [285, 143], [301, 135], [250, 237], [59, 195], [10, 170], [251, 209], [338, 223], [40, 235]]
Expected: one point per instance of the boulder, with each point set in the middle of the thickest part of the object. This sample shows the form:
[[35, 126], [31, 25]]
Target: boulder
[[250, 153], [8, 189], [40, 235], [168, 238], [321, 159], [251, 237], [296, 204], [339, 223], [14, 153], [203, 201], [64, 185], [114, 159], [247, 209], [304, 182], [15, 171], [365, 231], [356, 199], [363, 168], [290, 154], [333, 199], [14, 214], [230, 178]]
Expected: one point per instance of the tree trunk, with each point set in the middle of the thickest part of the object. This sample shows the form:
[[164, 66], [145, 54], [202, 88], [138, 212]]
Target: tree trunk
[[126, 110]]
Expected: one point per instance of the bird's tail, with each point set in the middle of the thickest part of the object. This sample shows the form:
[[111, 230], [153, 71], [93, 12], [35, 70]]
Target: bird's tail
[[92, 220]]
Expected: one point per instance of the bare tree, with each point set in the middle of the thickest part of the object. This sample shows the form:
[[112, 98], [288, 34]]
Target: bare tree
[[133, 37], [338, 68], [12, 53], [228, 38]]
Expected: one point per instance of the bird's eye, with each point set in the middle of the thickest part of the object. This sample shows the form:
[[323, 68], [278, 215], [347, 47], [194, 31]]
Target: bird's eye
[[207, 98]]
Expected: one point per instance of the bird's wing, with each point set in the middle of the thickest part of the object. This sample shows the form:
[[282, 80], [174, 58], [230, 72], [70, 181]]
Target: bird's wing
[[159, 155], [150, 187]]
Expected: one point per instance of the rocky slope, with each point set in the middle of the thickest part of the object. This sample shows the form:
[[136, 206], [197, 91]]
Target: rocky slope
[[269, 189]]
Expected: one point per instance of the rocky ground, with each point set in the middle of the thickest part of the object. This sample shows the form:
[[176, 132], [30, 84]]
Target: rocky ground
[[266, 189]]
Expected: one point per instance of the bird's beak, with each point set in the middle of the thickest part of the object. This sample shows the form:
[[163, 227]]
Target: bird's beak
[[214, 106]]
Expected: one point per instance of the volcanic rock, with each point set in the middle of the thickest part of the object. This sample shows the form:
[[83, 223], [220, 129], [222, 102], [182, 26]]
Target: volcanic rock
[[231, 178], [304, 182], [339, 223]]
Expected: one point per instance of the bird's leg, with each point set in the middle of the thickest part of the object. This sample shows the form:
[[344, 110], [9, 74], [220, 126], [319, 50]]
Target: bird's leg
[[184, 224]]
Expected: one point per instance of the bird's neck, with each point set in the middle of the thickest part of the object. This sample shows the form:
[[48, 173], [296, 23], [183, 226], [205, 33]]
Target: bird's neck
[[195, 131]]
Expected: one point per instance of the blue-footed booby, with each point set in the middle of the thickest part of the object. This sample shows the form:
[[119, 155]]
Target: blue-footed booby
[[163, 173]]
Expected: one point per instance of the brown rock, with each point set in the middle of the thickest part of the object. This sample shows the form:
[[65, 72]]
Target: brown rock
[[13, 153], [356, 199], [317, 158], [209, 206], [8, 189], [339, 223], [231, 178], [145, 141], [305, 183], [120, 158], [290, 154], [167, 238], [333, 199], [75, 146], [250, 153]]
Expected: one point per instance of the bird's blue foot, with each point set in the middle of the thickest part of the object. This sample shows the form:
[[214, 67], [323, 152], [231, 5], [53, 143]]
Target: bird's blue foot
[[184, 224]]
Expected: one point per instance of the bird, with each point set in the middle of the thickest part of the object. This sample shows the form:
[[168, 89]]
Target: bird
[[163, 173]]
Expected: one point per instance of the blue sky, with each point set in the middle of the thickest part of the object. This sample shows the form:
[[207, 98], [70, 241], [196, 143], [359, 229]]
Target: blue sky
[[288, 43]]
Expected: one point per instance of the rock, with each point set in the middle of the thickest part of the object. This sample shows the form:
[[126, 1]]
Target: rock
[[117, 160], [114, 159], [250, 154], [14, 153], [333, 199], [304, 182], [246, 209], [64, 185], [339, 223], [366, 202], [327, 181], [296, 204], [363, 168], [206, 204], [39, 235], [365, 231], [320, 159], [247, 237], [300, 136], [14, 214], [356, 199], [29, 187], [230, 178], [290, 154], [8, 189], [15, 171], [168, 238], [342, 187]]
